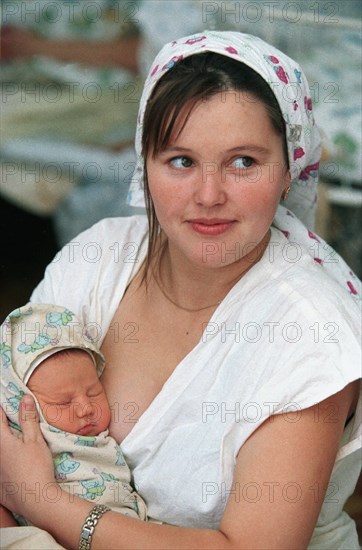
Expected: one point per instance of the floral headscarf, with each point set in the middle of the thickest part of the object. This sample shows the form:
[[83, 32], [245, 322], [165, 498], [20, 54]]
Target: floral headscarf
[[291, 90]]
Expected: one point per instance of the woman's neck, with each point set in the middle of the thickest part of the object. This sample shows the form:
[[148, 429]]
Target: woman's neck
[[194, 287]]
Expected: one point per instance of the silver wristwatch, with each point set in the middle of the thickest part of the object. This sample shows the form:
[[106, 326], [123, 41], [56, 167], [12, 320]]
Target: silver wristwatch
[[90, 524]]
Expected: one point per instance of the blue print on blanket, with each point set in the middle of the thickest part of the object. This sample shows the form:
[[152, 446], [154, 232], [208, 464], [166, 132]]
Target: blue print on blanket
[[86, 441], [5, 354], [40, 342], [60, 319], [64, 465], [14, 401]]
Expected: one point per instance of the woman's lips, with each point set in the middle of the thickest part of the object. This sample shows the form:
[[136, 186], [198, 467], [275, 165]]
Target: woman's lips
[[213, 226]]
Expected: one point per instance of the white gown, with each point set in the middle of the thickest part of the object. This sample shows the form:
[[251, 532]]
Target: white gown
[[285, 337]]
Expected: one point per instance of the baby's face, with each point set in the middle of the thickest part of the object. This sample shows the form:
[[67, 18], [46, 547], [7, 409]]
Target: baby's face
[[70, 394]]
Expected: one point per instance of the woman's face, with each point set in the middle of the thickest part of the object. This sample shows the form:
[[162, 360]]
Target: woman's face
[[216, 186]]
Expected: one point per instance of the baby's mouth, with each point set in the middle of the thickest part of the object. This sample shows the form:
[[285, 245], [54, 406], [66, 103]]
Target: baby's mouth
[[86, 430]]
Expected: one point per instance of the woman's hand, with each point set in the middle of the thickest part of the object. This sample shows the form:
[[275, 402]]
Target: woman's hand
[[26, 468]]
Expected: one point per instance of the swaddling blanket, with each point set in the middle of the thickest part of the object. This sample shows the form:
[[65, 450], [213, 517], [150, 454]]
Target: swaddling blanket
[[88, 467]]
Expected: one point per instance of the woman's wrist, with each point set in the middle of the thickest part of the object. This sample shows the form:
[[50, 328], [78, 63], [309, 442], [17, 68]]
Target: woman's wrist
[[90, 524], [63, 516]]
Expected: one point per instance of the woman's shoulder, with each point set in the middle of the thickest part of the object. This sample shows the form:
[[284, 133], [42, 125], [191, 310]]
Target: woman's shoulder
[[102, 241], [305, 323], [305, 279], [111, 241], [118, 228], [311, 262], [289, 291], [94, 265]]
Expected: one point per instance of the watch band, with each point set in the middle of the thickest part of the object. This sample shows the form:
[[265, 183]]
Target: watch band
[[90, 524]]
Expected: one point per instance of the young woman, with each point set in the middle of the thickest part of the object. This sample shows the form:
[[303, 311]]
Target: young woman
[[231, 334]]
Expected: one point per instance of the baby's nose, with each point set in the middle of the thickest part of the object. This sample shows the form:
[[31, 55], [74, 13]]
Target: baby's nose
[[85, 408]]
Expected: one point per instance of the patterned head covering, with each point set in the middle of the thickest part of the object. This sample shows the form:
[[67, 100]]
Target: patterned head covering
[[290, 88], [295, 218], [28, 336]]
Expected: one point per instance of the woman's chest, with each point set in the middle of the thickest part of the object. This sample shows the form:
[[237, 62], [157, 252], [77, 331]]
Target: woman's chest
[[142, 350], [132, 379]]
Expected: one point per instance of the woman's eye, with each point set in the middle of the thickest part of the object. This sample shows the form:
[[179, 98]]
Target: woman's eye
[[181, 162], [243, 162]]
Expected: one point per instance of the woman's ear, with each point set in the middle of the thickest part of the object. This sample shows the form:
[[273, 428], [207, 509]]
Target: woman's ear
[[287, 182], [287, 178]]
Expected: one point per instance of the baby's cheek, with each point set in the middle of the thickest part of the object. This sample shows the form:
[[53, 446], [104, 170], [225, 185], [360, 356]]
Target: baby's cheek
[[65, 416], [49, 412], [56, 416], [104, 415], [108, 417]]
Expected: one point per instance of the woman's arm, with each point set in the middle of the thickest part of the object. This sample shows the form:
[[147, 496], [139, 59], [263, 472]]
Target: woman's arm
[[281, 477]]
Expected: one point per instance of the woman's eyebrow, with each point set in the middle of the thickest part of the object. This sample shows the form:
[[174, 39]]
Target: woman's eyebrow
[[252, 148], [175, 149]]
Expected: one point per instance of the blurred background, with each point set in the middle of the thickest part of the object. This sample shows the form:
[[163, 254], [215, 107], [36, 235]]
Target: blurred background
[[71, 78]]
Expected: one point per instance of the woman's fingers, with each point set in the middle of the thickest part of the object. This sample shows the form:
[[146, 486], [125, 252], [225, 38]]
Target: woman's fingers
[[26, 462], [29, 419]]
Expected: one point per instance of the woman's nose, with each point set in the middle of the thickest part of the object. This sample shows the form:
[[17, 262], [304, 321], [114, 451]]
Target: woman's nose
[[210, 189]]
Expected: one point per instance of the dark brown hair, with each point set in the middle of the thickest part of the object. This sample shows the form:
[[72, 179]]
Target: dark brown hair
[[194, 79]]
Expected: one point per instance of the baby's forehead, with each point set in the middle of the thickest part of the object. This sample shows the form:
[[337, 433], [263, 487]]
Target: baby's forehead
[[66, 362], [68, 353]]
